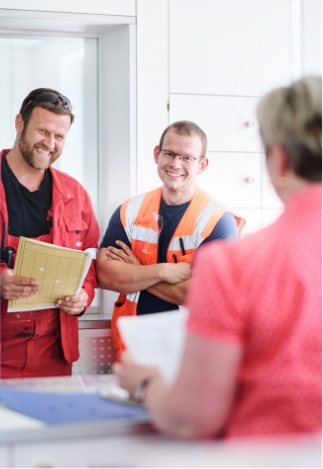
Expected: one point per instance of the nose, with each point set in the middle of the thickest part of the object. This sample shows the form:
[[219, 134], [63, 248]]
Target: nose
[[176, 161], [49, 140]]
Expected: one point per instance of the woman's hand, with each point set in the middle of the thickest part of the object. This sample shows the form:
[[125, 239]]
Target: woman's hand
[[131, 375]]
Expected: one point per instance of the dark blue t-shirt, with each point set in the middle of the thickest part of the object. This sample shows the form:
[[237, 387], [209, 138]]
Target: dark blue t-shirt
[[172, 214], [28, 212]]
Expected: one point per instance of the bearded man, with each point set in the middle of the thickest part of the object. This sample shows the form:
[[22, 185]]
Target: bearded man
[[39, 202]]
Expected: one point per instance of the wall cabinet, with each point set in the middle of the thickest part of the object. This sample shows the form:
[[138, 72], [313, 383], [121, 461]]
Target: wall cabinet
[[235, 178], [228, 48], [223, 57], [229, 122]]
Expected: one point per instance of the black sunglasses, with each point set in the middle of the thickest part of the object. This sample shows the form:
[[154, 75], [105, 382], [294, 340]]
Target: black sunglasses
[[50, 97]]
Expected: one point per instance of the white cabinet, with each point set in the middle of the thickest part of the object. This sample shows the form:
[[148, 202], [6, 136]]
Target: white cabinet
[[229, 122], [233, 178], [235, 48], [237, 173], [222, 57], [312, 37]]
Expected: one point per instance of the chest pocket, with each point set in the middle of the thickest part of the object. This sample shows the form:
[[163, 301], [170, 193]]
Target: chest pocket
[[76, 230]]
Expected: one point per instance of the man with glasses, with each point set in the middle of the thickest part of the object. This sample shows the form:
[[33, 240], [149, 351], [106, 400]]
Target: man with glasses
[[149, 244], [39, 202]]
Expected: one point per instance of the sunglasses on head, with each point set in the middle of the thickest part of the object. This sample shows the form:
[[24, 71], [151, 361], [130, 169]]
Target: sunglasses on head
[[50, 97]]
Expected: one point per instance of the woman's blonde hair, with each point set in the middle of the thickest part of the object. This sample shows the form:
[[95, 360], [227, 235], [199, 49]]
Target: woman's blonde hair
[[292, 116]]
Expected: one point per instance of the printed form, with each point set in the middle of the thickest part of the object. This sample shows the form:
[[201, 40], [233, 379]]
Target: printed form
[[60, 272], [156, 339]]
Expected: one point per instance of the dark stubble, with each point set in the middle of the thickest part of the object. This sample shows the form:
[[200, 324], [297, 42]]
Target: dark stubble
[[26, 151]]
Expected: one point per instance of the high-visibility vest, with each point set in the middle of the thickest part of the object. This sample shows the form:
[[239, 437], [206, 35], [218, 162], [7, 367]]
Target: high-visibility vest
[[139, 217]]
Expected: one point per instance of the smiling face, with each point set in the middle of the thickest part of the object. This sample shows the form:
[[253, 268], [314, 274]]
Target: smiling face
[[41, 142], [178, 176]]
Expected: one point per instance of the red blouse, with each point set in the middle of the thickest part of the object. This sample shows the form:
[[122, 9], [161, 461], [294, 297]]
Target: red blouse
[[265, 292]]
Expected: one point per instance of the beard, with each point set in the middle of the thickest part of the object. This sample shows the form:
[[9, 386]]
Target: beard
[[27, 152]]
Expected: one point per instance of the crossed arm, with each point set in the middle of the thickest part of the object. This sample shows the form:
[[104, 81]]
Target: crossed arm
[[121, 271]]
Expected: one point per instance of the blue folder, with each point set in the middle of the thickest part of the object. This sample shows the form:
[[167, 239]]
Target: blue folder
[[54, 408]]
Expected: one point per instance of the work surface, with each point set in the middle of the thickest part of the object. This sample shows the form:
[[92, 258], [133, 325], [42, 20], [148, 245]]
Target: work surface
[[27, 442]]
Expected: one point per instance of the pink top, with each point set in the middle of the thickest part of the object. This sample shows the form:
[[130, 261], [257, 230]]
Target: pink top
[[265, 293]]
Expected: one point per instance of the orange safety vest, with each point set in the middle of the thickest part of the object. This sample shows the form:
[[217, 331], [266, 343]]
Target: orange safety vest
[[137, 217]]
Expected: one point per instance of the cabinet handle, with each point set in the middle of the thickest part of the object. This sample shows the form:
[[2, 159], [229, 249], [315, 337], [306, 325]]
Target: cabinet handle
[[249, 124], [249, 180]]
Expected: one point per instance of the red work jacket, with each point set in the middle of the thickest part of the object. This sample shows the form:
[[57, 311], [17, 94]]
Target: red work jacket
[[74, 226]]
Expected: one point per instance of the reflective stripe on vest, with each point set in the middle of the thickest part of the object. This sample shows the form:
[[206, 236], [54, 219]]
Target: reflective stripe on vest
[[197, 223], [192, 241]]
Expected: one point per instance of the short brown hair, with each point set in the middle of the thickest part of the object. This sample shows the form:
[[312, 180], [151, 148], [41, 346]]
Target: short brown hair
[[186, 128], [29, 104], [292, 116]]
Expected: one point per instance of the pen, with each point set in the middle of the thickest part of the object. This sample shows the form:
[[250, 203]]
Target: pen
[[182, 246], [175, 258]]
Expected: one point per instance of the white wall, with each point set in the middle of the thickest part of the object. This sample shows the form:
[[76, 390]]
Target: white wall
[[188, 52]]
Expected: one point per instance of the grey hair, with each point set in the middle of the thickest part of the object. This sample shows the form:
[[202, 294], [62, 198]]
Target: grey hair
[[292, 116]]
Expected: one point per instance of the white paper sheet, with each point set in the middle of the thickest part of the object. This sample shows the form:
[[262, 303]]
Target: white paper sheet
[[156, 340]]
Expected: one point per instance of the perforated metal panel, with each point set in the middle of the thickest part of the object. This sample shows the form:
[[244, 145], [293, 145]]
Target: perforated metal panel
[[96, 352]]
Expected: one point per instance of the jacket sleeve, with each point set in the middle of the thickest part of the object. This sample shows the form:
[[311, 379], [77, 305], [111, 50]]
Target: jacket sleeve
[[90, 241]]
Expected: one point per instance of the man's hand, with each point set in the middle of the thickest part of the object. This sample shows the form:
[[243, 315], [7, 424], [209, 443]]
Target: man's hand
[[73, 304], [176, 273], [123, 254], [14, 287]]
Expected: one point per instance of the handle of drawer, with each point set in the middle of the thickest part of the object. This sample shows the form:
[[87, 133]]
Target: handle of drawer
[[249, 180]]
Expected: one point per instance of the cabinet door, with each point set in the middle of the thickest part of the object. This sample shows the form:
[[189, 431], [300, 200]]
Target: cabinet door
[[312, 37], [233, 178], [228, 47], [270, 215], [229, 123]]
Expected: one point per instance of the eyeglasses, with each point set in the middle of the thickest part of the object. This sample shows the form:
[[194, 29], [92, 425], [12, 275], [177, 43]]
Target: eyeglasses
[[50, 97], [170, 155]]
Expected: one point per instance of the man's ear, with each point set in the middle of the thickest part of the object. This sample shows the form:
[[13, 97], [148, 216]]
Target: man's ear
[[156, 153], [19, 124], [203, 164]]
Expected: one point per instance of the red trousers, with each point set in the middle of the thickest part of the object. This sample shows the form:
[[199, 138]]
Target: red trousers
[[31, 341], [31, 344]]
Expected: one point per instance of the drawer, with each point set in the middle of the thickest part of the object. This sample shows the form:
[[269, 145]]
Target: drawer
[[229, 122], [270, 215], [233, 178]]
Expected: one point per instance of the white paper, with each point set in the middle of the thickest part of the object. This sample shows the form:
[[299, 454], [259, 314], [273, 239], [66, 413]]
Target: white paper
[[156, 340]]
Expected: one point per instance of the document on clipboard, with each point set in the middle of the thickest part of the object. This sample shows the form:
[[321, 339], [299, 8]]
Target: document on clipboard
[[156, 339], [60, 272]]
